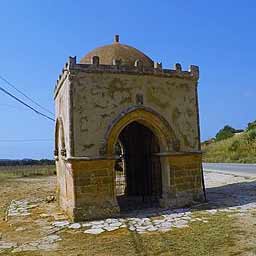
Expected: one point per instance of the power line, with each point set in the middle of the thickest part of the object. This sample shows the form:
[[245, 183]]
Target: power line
[[14, 87], [25, 104]]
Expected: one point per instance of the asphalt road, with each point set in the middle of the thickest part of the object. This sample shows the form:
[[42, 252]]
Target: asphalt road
[[248, 170]]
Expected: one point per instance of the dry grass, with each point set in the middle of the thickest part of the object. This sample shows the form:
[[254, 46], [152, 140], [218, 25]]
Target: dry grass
[[220, 236], [237, 149], [217, 237], [26, 171]]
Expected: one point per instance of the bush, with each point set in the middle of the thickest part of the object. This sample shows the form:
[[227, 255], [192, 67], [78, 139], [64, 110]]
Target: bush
[[225, 133], [251, 135], [251, 126]]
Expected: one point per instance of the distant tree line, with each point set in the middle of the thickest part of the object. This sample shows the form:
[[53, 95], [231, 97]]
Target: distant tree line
[[9, 162]]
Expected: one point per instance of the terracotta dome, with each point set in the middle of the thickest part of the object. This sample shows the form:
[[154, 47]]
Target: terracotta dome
[[127, 54]]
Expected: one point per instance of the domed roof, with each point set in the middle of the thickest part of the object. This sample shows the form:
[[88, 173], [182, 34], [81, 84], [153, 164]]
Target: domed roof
[[127, 54]]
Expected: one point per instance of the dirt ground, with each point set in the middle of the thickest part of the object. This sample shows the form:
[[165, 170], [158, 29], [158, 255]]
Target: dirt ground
[[32, 224]]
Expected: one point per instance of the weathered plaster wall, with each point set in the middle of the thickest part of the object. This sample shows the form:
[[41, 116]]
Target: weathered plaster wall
[[62, 103], [65, 184], [100, 97], [65, 187], [88, 103]]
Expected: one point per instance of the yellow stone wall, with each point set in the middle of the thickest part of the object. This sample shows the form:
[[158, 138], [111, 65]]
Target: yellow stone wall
[[185, 178], [95, 195]]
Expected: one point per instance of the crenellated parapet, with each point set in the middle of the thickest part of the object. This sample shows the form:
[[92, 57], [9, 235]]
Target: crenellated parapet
[[117, 67]]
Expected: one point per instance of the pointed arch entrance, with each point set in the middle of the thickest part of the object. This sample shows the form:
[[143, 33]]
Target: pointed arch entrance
[[142, 176], [142, 135]]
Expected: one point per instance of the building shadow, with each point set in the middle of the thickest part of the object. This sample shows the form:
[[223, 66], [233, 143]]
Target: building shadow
[[242, 194], [231, 195]]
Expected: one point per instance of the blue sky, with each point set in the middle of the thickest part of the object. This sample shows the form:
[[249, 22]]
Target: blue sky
[[38, 36]]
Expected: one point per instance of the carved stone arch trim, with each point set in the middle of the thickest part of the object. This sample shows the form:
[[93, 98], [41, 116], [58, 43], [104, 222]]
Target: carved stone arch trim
[[59, 130], [146, 116]]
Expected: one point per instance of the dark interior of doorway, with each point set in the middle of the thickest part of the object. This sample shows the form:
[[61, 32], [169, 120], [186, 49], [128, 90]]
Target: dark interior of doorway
[[138, 172]]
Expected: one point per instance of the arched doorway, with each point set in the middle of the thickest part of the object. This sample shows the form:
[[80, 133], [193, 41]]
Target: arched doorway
[[60, 148], [139, 169]]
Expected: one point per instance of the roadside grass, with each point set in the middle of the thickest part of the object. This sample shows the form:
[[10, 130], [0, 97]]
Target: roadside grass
[[237, 149]]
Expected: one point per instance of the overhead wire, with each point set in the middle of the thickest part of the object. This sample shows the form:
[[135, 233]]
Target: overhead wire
[[25, 104], [27, 97]]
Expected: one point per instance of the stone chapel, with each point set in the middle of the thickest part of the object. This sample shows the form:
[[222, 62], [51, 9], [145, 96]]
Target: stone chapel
[[127, 134]]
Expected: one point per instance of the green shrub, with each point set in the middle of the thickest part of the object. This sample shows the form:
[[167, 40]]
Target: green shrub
[[251, 126], [225, 133], [251, 135]]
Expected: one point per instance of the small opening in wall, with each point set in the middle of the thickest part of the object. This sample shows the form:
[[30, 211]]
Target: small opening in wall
[[139, 99]]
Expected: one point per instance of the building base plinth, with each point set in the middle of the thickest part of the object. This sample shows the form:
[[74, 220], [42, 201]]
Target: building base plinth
[[94, 213]]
